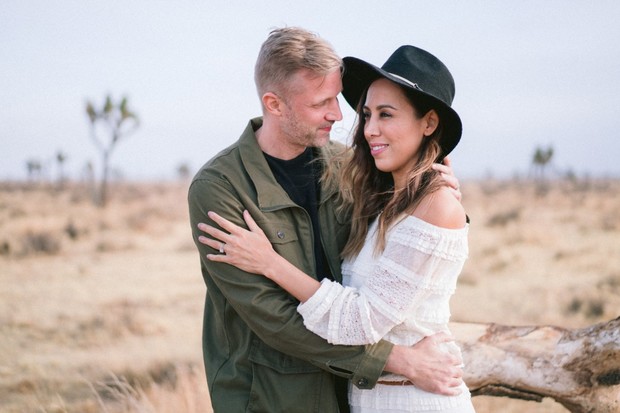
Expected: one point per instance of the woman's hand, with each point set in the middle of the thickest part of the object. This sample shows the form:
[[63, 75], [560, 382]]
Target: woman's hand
[[249, 251], [448, 175], [252, 252]]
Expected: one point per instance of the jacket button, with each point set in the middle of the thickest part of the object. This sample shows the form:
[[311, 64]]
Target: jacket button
[[280, 234], [362, 382]]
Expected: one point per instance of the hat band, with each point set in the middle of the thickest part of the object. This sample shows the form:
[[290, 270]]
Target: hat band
[[409, 82]]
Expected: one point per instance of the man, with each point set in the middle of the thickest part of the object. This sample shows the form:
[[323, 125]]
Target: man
[[258, 355]]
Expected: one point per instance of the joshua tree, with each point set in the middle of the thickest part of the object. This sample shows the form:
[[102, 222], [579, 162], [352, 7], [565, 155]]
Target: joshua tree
[[540, 161], [183, 171], [117, 122], [34, 168], [61, 157]]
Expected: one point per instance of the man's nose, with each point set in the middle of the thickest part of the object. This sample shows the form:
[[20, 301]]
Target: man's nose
[[334, 114]]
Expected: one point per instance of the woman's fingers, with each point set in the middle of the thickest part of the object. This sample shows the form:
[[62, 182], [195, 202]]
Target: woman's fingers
[[229, 228], [210, 242], [213, 243], [252, 225], [214, 232], [223, 222]]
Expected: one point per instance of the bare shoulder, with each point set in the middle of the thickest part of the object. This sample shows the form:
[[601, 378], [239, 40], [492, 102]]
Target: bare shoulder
[[441, 209]]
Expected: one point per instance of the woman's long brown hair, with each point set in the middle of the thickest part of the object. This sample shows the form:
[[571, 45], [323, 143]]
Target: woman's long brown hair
[[370, 192]]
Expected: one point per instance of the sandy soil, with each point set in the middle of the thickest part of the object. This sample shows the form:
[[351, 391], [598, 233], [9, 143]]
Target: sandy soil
[[100, 309]]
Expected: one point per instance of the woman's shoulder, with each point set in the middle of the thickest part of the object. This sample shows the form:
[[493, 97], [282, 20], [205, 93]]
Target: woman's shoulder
[[442, 209]]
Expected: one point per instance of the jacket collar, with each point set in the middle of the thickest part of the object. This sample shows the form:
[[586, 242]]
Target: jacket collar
[[270, 195]]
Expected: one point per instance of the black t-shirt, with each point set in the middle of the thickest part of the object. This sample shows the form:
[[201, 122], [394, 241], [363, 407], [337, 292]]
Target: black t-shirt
[[300, 179]]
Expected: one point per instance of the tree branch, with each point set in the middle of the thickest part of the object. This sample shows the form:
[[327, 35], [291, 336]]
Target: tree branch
[[579, 369]]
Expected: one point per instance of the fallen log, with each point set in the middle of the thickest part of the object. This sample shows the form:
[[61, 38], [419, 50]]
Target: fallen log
[[579, 368]]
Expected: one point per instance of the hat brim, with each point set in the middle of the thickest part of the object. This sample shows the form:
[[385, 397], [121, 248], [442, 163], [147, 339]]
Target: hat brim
[[357, 77]]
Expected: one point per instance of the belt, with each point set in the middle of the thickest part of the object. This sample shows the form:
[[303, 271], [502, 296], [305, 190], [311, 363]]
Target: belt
[[396, 383]]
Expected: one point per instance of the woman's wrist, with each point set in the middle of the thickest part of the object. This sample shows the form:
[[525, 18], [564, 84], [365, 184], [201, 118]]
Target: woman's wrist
[[273, 267]]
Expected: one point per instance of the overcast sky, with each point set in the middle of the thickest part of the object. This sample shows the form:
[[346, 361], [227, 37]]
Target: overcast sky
[[528, 74]]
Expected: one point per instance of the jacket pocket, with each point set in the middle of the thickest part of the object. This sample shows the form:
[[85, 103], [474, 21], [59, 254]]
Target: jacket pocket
[[278, 232], [281, 383]]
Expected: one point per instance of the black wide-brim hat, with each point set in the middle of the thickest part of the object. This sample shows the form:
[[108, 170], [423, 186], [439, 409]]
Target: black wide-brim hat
[[425, 76]]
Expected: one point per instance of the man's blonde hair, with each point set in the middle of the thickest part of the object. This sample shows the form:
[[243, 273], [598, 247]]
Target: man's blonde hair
[[288, 50]]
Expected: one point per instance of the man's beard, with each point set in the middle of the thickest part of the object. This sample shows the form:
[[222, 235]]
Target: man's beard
[[302, 134]]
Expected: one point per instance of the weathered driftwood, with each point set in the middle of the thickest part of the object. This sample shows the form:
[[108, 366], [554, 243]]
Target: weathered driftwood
[[579, 369]]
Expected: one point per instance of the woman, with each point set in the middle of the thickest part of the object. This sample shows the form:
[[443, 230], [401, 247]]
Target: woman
[[408, 239]]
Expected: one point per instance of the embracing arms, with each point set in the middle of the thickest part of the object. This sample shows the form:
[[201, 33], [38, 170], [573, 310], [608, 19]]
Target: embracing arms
[[394, 283], [425, 364], [257, 300]]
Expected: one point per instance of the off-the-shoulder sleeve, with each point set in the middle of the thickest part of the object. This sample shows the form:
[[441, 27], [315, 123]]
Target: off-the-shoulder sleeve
[[413, 262]]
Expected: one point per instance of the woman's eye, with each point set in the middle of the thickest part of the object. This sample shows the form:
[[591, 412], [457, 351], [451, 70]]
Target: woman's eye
[[385, 115]]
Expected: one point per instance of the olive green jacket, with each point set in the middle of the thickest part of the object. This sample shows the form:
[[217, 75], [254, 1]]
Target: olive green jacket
[[258, 355]]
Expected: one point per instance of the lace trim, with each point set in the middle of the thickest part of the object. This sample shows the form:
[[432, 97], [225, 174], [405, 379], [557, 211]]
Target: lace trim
[[445, 243]]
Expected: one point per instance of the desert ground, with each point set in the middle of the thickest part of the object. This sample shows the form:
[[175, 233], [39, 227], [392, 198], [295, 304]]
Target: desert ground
[[100, 308]]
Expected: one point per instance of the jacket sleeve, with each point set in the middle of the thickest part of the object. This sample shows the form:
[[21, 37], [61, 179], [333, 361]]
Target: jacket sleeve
[[269, 311]]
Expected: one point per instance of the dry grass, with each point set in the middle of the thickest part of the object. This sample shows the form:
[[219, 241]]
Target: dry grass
[[100, 310]]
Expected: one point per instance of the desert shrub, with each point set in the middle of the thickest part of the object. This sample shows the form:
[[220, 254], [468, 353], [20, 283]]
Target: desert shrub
[[40, 242], [71, 230], [610, 222], [610, 283], [574, 306], [595, 308], [5, 248], [163, 388], [591, 308], [163, 374], [502, 219]]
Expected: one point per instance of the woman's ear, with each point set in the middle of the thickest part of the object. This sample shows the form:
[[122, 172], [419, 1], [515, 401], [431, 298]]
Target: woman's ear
[[432, 121], [272, 103]]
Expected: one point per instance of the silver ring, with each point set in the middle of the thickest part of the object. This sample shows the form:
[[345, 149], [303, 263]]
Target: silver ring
[[222, 245]]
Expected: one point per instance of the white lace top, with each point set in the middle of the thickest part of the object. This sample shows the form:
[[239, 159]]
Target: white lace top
[[400, 295]]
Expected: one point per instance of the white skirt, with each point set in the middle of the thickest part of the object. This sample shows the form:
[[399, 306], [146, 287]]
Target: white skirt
[[407, 399]]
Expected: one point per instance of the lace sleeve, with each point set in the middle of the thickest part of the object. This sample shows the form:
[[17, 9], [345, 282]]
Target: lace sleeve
[[401, 277]]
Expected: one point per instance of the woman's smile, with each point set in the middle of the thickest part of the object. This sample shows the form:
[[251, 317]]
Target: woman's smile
[[377, 148]]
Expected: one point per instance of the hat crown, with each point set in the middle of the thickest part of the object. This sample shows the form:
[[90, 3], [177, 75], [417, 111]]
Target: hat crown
[[424, 70]]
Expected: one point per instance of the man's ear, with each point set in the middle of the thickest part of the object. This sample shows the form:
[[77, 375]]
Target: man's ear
[[272, 103], [432, 121]]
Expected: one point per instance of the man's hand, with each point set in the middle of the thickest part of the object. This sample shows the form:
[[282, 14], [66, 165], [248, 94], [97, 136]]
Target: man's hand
[[428, 366], [448, 175]]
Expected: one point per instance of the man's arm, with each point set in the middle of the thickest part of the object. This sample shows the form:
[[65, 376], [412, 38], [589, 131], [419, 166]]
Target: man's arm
[[427, 366]]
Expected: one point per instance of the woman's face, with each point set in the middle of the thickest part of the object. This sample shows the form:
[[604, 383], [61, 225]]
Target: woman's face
[[393, 130]]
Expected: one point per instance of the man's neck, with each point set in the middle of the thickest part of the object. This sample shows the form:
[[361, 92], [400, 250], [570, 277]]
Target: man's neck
[[273, 143]]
